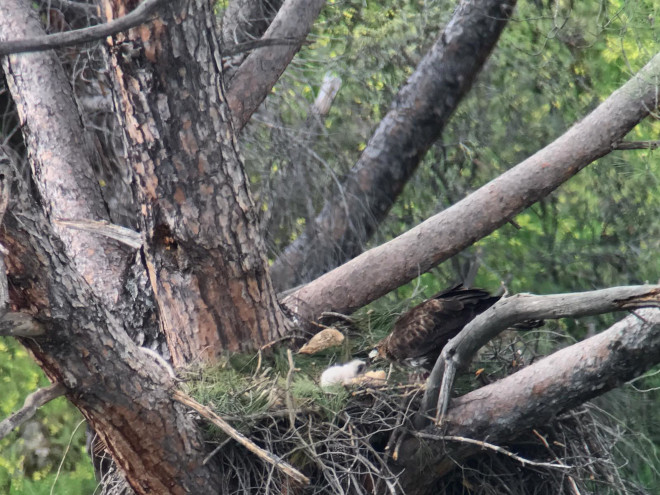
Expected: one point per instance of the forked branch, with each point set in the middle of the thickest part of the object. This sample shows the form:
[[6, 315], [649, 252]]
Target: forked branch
[[461, 349], [501, 411]]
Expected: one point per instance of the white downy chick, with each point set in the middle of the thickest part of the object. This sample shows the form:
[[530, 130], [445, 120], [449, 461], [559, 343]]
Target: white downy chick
[[342, 374]]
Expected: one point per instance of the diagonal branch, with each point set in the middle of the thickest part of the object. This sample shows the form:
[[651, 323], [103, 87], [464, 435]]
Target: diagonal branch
[[61, 155], [416, 119], [143, 13], [460, 350], [373, 273], [32, 402], [257, 75]]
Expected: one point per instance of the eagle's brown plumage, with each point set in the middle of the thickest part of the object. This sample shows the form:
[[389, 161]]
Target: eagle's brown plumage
[[420, 334]]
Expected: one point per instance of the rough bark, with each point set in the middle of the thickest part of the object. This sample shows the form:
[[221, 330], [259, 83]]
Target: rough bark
[[263, 67], [63, 163], [382, 269], [123, 394], [204, 254], [416, 119], [533, 396], [60, 153]]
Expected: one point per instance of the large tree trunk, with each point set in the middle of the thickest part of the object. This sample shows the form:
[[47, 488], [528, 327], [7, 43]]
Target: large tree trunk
[[121, 390], [204, 253]]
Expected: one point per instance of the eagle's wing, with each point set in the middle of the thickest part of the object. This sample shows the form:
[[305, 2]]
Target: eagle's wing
[[422, 332]]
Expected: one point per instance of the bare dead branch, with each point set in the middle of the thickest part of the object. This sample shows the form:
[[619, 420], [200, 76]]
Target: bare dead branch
[[494, 448], [266, 456], [416, 119], [143, 13], [460, 350], [32, 402], [373, 273]]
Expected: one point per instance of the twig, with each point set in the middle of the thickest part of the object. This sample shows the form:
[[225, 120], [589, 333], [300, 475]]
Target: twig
[[215, 451], [571, 481], [289, 396], [490, 446], [32, 402], [636, 145], [106, 229], [66, 451], [266, 456], [140, 15], [340, 316]]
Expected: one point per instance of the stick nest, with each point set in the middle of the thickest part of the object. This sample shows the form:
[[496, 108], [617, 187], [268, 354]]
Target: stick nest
[[346, 440]]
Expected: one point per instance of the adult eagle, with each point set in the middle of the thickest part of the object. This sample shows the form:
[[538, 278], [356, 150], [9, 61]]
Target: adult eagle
[[420, 334]]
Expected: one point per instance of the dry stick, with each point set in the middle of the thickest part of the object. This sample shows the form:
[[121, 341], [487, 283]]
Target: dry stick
[[571, 481], [636, 145], [495, 448], [266, 456], [460, 350], [32, 402], [106, 229], [140, 15], [289, 396]]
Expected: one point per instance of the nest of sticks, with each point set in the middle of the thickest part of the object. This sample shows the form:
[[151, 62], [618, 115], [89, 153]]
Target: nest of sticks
[[345, 441]]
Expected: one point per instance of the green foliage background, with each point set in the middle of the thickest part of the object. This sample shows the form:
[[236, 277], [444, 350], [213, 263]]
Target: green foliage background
[[62, 436], [554, 63]]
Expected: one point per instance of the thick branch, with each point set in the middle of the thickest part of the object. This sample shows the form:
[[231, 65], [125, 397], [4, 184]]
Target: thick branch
[[36, 42], [460, 350], [61, 156], [375, 272], [263, 67], [531, 397], [32, 402], [416, 119]]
